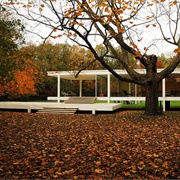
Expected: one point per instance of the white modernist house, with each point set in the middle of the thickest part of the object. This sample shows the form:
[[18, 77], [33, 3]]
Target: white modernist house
[[169, 89]]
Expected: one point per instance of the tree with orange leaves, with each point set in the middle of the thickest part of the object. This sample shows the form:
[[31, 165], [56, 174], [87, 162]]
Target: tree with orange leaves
[[23, 82], [17, 74]]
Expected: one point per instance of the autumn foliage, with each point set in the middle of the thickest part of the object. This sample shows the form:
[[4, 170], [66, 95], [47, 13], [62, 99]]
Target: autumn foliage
[[159, 64], [23, 82], [123, 145]]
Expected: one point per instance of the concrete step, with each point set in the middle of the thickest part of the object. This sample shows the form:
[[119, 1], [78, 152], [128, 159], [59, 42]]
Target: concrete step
[[80, 100], [55, 110]]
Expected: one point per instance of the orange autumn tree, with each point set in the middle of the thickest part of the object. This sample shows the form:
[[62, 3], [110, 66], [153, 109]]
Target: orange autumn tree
[[23, 82], [138, 27]]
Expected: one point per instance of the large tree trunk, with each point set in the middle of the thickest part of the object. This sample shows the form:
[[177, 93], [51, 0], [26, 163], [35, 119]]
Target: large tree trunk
[[151, 89], [151, 107]]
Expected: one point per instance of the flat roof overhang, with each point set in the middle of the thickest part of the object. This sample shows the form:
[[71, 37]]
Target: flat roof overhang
[[92, 74]]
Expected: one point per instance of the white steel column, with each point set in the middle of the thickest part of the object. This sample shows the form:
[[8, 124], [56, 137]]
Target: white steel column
[[135, 88], [96, 85], [80, 88], [164, 93], [58, 89], [108, 87]]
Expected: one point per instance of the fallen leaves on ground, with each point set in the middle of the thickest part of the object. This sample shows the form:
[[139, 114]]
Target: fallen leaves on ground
[[122, 145]]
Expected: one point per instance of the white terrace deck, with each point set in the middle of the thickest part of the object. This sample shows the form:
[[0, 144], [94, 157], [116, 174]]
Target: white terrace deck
[[29, 106]]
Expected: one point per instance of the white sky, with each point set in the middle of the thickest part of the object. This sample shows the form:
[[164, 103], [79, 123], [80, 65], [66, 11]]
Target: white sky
[[158, 48]]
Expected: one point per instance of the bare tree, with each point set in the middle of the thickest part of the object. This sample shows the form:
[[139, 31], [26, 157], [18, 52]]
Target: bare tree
[[136, 26]]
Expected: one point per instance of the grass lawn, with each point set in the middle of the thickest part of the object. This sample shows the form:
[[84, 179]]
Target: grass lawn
[[123, 145], [175, 104]]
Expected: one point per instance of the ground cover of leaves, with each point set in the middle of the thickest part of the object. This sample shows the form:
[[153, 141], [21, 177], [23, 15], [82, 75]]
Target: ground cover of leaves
[[122, 145]]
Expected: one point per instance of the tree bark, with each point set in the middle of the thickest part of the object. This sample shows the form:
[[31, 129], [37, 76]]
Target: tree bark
[[151, 89], [151, 106]]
